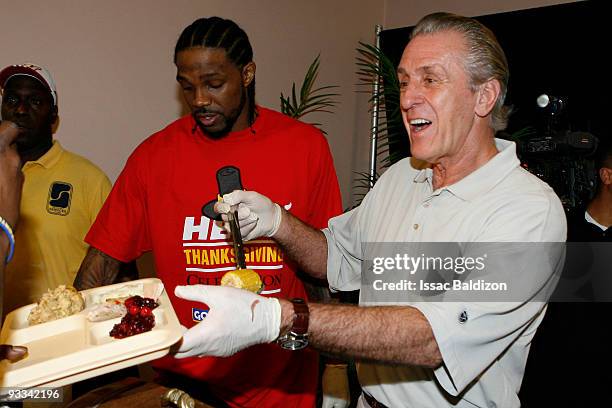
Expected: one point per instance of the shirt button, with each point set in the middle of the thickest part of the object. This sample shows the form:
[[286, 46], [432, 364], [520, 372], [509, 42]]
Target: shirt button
[[415, 226]]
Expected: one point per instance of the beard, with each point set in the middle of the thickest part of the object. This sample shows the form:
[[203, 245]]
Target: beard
[[228, 120]]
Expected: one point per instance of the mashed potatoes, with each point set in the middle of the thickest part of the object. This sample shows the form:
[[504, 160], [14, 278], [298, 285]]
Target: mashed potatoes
[[60, 302]]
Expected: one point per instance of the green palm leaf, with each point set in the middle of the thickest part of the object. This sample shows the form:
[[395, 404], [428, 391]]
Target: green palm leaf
[[309, 100]]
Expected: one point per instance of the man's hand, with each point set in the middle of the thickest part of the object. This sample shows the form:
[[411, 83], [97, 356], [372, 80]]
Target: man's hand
[[97, 269], [11, 177], [257, 214], [335, 386], [237, 319], [12, 353]]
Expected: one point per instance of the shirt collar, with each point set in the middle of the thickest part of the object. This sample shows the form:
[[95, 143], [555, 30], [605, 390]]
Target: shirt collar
[[592, 220], [485, 177], [424, 176], [48, 159]]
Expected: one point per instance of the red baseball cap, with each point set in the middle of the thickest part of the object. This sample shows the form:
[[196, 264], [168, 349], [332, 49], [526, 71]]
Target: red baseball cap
[[32, 70]]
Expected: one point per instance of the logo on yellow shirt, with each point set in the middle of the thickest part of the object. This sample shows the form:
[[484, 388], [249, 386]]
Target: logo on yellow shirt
[[58, 202]]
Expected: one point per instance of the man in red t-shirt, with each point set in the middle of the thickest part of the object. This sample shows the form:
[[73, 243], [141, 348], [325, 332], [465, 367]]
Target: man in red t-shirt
[[156, 204]]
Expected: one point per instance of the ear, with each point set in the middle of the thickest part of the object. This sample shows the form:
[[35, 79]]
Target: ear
[[605, 174], [488, 93], [248, 74]]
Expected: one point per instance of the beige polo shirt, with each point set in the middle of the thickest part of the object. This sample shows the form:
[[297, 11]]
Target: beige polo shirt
[[484, 356]]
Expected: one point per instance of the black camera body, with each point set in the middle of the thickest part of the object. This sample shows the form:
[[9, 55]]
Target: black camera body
[[565, 142], [562, 158]]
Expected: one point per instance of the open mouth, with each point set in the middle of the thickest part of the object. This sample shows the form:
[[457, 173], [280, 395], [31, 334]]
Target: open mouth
[[418, 125], [207, 119]]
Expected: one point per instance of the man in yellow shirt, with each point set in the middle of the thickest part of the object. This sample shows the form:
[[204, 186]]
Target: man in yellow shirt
[[62, 191]]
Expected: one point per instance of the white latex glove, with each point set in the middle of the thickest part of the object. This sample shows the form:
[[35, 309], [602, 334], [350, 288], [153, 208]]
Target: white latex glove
[[335, 386], [237, 319], [257, 214]]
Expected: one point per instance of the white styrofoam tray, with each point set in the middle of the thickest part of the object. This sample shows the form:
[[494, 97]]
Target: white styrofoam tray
[[72, 349]]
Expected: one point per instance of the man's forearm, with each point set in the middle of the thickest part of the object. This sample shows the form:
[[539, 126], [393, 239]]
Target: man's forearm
[[4, 248], [387, 334], [97, 269], [303, 244]]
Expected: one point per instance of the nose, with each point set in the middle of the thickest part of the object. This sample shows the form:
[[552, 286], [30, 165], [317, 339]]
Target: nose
[[201, 98], [21, 107], [410, 95]]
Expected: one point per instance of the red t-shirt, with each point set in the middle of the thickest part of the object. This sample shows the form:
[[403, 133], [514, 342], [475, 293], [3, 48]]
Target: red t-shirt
[[155, 205]]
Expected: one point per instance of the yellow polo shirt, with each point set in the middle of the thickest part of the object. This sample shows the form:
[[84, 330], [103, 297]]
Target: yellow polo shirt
[[62, 194]]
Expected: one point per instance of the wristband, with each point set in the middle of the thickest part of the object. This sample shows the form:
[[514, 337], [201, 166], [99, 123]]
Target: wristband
[[11, 237]]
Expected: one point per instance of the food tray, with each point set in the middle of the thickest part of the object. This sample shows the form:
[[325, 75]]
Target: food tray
[[72, 349]]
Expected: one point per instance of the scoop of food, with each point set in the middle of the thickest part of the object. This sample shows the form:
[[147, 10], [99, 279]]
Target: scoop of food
[[241, 278], [138, 319], [246, 279], [60, 302]]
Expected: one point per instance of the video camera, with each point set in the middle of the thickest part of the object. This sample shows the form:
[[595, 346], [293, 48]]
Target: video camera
[[565, 142], [563, 158]]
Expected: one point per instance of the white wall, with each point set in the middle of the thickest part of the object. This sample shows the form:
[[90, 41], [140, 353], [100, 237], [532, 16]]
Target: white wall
[[112, 62]]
